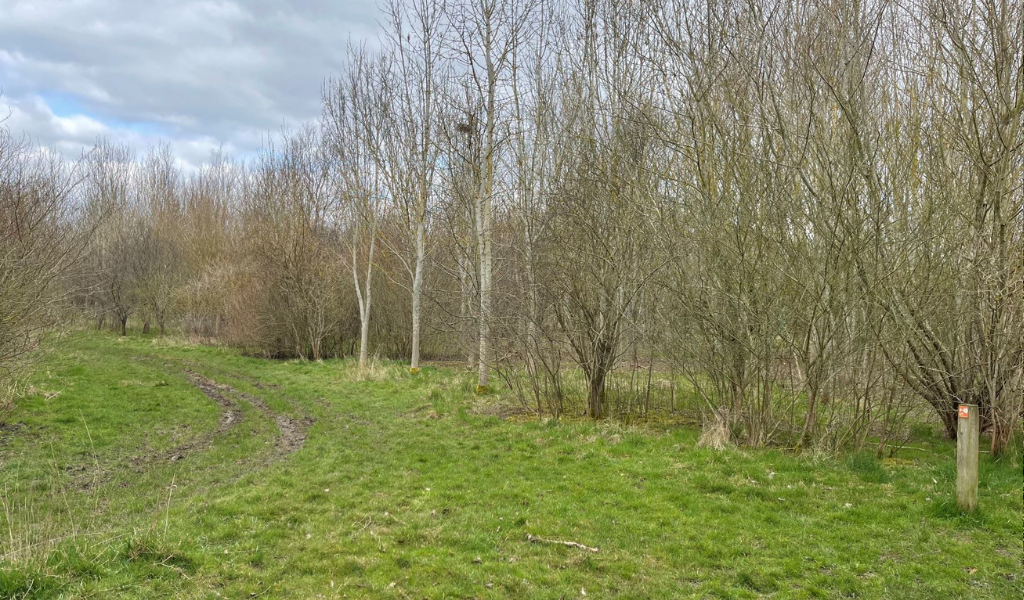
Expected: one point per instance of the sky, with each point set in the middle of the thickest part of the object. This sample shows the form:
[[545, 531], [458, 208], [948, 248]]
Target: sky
[[201, 75]]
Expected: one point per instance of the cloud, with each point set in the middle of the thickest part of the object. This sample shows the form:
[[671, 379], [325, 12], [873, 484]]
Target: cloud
[[72, 134], [201, 74]]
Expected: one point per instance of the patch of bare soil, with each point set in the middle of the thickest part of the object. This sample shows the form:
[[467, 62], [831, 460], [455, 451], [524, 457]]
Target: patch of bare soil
[[291, 438], [7, 431], [292, 430], [88, 476], [230, 415]]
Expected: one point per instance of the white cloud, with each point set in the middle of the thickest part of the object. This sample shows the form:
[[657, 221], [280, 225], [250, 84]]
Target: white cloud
[[33, 116], [203, 74], [72, 134]]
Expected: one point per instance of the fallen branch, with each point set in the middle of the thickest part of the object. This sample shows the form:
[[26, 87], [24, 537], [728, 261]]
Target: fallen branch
[[539, 540]]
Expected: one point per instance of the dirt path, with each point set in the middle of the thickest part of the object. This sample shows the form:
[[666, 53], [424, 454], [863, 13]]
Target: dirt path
[[230, 415], [291, 433]]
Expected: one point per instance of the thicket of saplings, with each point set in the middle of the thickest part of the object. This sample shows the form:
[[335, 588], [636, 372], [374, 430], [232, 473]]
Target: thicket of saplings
[[803, 218]]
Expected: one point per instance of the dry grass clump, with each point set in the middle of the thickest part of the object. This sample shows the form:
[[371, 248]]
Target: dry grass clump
[[715, 432]]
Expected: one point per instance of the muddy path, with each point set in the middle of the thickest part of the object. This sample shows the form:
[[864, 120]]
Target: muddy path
[[291, 434], [89, 475], [291, 431], [230, 416]]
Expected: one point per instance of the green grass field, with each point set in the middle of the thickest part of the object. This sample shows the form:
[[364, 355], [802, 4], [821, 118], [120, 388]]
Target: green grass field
[[148, 468]]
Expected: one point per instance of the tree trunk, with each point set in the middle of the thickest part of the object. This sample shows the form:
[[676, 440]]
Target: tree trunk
[[530, 344], [365, 299], [466, 318], [949, 422], [417, 289], [810, 419], [595, 397], [1001, 436], [483, 222], [124, 326], [484, 354]]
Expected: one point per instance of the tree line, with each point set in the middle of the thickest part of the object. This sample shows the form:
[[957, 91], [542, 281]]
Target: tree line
[[801, 218]]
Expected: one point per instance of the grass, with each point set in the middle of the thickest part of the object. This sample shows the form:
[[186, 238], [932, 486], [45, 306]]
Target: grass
[[119, 480]]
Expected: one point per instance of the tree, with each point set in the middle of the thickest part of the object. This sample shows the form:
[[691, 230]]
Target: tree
[[160, 247], [39, 249], [292, 310], [353, 118], [487, 35], [408, 150], [116, 254]]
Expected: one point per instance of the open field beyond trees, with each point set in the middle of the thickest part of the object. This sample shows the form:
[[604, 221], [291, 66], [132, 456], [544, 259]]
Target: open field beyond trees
[[145, 467]]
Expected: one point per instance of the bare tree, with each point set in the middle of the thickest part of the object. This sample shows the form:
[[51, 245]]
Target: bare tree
[[353, 120], [161, 244], [487, 34], [117, 260], [39, 247], [408, 150], [291, 245]]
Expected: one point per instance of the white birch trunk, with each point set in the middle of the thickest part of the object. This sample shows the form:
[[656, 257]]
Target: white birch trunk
[[484, 208], [466, 319], [484, 236], [417, 290], [364, 298]]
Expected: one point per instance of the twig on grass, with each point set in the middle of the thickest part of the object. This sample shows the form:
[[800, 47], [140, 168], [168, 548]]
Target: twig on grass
[[539, 540], [167, 512]]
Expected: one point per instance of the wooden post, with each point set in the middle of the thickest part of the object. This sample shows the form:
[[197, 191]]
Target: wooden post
[[968, 433]]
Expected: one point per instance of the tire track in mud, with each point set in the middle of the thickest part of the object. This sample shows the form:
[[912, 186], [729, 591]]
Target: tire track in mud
[[290, 439], [291, 431], [230, 416], [91, 475]]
